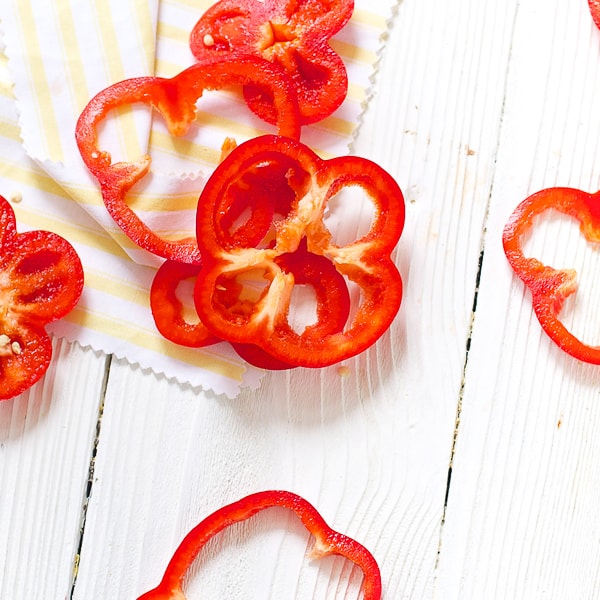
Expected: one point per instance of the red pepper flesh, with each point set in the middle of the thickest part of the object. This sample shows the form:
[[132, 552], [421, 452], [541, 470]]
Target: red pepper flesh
[[327, 542], [595, 10], [175, 99], [333, 301], [259, 208], [168, 309], [316, 271], [257, 357], [168, 313], [294, 35], [41, 280], [550, 287], [236, 311]]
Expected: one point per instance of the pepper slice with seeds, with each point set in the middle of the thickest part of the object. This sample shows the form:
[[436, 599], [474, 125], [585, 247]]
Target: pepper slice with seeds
[[251, 270], [41, 280]]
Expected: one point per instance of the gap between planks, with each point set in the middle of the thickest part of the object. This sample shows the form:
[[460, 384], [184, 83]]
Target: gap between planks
[[460, 399], [90, 478]]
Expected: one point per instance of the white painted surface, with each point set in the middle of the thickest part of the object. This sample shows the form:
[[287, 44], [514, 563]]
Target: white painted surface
[[477, 104]]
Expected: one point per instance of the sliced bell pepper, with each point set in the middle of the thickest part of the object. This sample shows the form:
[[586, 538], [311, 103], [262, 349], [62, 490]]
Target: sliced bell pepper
[[550, 287], [258, 208], [243, 291], [293, 34], [333, 301], [175, 99], [168, 313], [257, 357], [327, 542], [595, 10], [41, 280], [168, 309]]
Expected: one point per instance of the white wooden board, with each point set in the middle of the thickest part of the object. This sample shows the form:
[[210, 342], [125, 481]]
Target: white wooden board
[[476, 105]]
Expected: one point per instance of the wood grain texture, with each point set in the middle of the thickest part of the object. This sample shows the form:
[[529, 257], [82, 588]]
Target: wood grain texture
[[166, 460], [46, 442], [520, 520], [475, 106]]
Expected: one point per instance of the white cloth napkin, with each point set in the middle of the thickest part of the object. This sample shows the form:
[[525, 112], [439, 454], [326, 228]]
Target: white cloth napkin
[[54, 56]]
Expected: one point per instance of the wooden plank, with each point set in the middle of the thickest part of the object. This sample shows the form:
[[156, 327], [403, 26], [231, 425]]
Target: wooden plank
[[521, 520], [166, 458], [46, 441]]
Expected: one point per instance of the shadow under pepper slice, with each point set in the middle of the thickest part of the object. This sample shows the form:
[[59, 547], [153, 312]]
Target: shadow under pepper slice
[[175, 99], [550, 287], [327, 542], [237, 311], [41, 280], [294, 34]]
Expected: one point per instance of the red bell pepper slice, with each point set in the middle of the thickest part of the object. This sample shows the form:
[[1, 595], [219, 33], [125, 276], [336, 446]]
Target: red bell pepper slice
[[308, 269], [41, 280], [327, 542], [168, 313], [550, 287], [595, 10], [333, 301], [291, 33], [237, 311], [256, 212], [257, 357], [168, 309], [175, 99]]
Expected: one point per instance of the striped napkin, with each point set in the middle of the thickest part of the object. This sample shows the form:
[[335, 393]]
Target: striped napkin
[[54, 56]]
